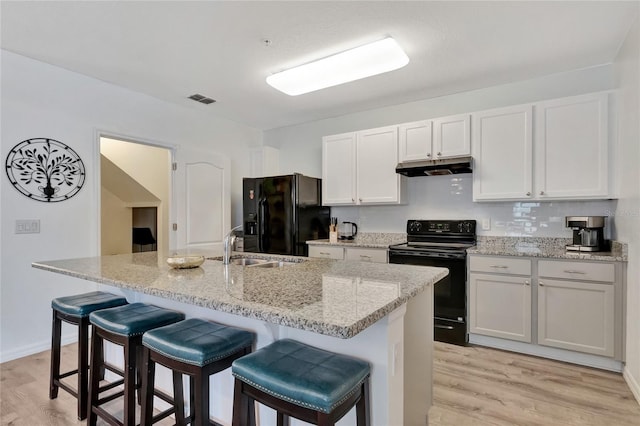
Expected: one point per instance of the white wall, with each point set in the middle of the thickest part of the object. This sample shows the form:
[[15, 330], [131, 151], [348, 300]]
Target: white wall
[[39, 100], [628, 207], [445, 196]]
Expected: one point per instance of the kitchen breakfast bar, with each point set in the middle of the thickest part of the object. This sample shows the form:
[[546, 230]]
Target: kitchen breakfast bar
[[380, 313]]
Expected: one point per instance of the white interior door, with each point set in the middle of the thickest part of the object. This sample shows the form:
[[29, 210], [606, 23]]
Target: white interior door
[[202, 192]]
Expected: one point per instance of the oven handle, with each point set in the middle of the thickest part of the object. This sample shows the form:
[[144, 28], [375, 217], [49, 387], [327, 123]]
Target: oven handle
[[430, 255], [446, 327]]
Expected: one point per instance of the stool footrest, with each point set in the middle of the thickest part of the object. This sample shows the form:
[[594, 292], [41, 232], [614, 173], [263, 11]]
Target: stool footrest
[[106, 416], [111, 385], [110, 397], [68, 373], [66, 387], [114, 369]]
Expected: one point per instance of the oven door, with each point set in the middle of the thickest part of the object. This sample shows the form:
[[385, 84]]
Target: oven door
[[449, 294]]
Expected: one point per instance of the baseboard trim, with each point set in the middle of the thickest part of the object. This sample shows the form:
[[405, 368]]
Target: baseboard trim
[[588, 360], [34, 348], [632, 383]]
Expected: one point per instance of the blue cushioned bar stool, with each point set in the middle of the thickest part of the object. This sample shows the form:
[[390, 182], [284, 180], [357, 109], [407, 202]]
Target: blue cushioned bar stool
[[123, 326], [75, 310], [300, 381], [194, 347]]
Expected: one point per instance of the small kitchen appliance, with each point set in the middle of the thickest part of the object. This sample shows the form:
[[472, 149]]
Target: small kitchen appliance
[[444, 244], [588, 233], [348, 231]]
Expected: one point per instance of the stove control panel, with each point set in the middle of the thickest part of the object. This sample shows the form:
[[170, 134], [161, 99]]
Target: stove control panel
[[425, 227]]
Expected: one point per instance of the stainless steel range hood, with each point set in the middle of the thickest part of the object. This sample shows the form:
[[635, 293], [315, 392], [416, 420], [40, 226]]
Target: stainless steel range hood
[[448, 166]]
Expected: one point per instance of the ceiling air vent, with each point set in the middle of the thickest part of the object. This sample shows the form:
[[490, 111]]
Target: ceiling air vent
[[202, 99]]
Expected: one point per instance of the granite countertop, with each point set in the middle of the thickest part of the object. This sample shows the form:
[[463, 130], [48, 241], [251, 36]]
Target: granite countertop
[[335, 298], [366, 240], [545, 247]]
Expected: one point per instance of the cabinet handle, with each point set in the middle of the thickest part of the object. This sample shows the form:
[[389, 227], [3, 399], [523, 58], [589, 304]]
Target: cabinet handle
[[360, 199], [324, 253], [573, 271], [526, 282], [541, 192], [353, 200], [528, 194], [439, 154], [540, 283], [498, 266], [363, 256], [428, 155]]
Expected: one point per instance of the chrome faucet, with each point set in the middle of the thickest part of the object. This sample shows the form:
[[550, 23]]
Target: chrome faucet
[[227, 245]]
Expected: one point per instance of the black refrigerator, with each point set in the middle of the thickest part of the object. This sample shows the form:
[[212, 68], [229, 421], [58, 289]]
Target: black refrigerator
[[281, 213]]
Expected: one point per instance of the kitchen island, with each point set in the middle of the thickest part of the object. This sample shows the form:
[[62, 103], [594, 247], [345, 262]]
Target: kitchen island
[[379, 312]]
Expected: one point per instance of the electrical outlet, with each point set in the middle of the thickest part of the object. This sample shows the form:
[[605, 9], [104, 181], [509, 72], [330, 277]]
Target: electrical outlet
[[28, 226], [486, 224]]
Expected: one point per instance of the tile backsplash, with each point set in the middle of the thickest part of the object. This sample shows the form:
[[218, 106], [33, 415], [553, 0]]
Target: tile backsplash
[[450, 197]]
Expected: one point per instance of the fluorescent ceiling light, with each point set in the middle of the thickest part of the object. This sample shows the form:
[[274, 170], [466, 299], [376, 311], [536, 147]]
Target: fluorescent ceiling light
[[375, 58]]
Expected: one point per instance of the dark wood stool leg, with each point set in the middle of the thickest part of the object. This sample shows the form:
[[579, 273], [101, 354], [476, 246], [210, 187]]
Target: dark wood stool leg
[[192, 398], [94, 378], [56, 330], [240, 405], [178, 397], [130, 349], [282, 419], [202, 400], [83, 366], [325, 420], [148, 383], [139, 373], [362, 406], [101, 357]]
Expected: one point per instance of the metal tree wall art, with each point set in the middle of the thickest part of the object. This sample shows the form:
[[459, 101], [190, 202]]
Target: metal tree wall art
[[45, 170]]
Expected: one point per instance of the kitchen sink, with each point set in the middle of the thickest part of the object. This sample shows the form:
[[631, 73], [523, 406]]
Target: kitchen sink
[[273, 264]]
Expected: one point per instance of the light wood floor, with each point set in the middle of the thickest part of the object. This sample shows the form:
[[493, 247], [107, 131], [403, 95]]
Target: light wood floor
[[472, 386]]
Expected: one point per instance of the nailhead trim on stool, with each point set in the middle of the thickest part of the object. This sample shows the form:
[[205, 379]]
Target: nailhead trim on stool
[[124, 326], [301, 381], [75, 310], [194, 347]]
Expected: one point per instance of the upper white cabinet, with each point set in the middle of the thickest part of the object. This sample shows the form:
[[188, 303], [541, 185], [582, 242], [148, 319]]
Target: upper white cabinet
[[338, 169], [571, 148], [415, 140], [566, 157], [434, 139], [360, 168], [502, 153], [451, 136]]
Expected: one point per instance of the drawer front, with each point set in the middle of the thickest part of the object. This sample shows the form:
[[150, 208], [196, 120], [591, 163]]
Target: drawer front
[[583, 271], [367, 255], [500, 265], [326, 252]]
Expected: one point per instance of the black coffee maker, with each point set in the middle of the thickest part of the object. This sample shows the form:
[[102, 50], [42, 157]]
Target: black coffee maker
[[588, 233]]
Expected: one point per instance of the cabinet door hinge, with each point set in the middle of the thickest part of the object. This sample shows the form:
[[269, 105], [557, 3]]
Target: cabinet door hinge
[[175, 226], [174, 166]]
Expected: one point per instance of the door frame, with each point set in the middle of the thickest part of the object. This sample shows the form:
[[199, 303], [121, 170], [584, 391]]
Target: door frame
[[97, 178]]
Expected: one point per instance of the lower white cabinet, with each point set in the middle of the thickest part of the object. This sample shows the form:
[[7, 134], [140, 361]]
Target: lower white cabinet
[[366, 254], [326, 252], [360, 254], [500, 306], [573, 305], [576, 315]]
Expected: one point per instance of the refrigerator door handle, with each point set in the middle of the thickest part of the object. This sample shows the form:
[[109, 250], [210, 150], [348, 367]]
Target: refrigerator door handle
[[261, 224]]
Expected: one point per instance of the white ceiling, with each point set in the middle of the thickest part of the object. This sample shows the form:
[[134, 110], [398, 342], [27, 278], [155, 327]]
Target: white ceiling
[[173, 49]]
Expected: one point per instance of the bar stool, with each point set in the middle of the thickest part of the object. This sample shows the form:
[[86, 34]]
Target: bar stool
[[194, 347], [123, 326], [297, 380], [75, 310]]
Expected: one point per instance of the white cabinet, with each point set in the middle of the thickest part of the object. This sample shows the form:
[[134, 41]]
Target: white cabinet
[[376, 255], [577, 313], [359, 168], [502, 153], [326, 252], [571, 148], [500, 304], [435, 139], [451, 136], [565, 158], [339, 169], [414, 141]]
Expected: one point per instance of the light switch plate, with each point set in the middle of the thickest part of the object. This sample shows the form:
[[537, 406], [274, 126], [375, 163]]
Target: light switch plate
[[486, 224], [28, 226]]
